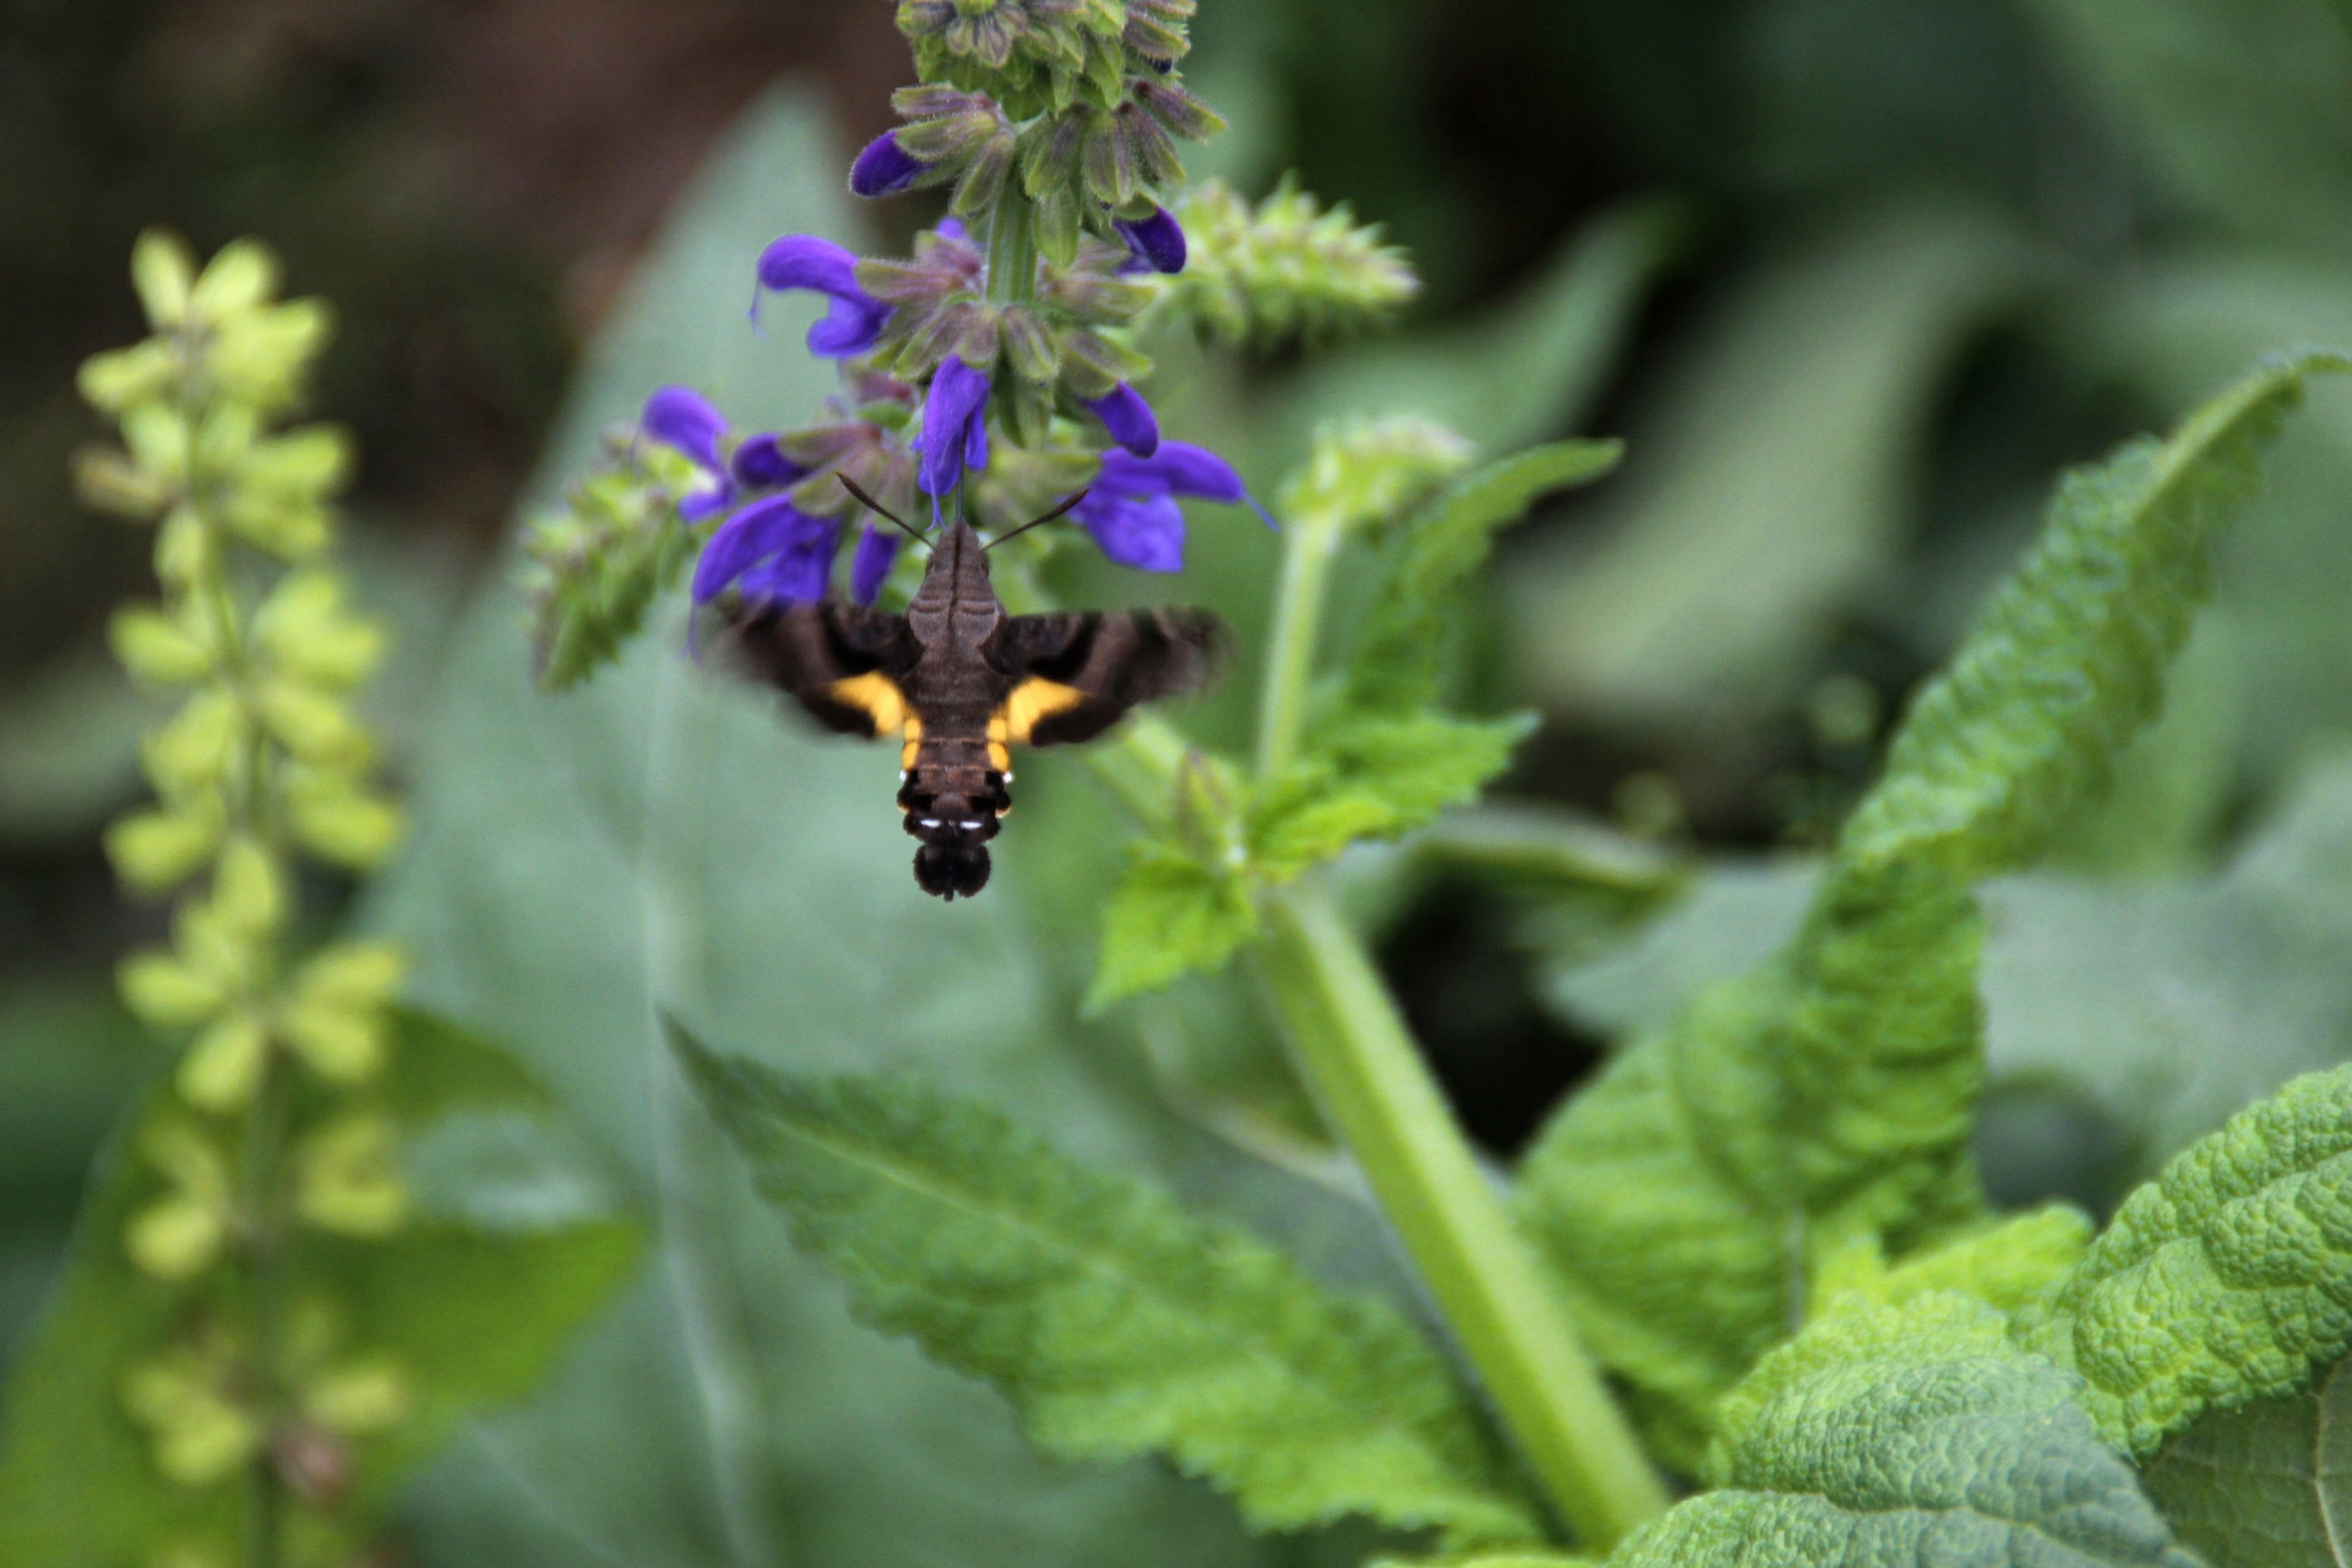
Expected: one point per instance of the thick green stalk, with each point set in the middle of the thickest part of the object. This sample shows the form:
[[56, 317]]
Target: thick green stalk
[[1379, 1097], [1310, 543]]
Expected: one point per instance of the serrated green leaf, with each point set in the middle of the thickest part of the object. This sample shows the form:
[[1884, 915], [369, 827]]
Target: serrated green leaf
[[2068, 659], [1115, 1324], [474, 1318], [1394, 665], [2268, 1485], [1908, 1438], [1829, 1096], [2228, 1279], [1171, 916], [1374, 778]]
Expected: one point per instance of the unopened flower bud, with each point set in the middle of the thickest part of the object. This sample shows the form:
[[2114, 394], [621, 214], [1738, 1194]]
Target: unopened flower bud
[[155, 851], [163, 273], [243, 275], [157, 649]]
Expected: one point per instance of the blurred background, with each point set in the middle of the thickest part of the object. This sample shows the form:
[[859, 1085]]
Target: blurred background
[[1856, 278]]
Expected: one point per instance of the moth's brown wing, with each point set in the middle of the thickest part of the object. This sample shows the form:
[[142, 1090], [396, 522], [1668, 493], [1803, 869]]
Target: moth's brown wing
[[843, 663], [1074, 673]]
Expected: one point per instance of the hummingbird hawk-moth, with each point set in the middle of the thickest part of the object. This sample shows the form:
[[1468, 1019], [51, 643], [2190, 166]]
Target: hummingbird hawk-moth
[[961, 683]]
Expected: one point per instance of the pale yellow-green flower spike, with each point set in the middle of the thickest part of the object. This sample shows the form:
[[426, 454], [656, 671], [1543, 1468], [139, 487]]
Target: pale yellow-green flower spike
[[264, 757], [263, 761]]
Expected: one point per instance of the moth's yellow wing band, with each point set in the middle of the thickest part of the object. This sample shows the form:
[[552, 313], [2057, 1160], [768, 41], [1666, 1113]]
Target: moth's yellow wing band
[[874, 695], [914, 743], [1033, 702]]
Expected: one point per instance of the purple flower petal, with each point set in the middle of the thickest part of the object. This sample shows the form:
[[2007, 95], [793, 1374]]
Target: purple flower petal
[[1158, 242], [806, 261], [758, 531], [696, 505], [849, 327], [884, 168], [760, 464], [949, 443], [1144, 531], [1128, 419], [948, 229], [1177, 468], [876, 551], [801, 570], [975, 443], [681, 418]]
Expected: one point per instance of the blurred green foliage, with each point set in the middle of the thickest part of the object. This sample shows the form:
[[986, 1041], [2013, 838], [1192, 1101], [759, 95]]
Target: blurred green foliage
[[1855, 277]]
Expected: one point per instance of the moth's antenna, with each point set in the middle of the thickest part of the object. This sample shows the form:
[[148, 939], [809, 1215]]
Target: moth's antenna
[[1026, 527], [851, 486]]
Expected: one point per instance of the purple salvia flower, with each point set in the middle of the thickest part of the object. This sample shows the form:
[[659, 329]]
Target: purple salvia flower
[[682, 418], [885, 168], [1130, 509], [876, 553], [1128, 419], [799, 571], [955, 427], [768, 547], [805, 261], [1154, 242], [761, 464]]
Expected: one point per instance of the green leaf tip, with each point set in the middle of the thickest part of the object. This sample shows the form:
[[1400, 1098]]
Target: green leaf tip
[[2068, 658], [2228, 1279], [1115, 1323]]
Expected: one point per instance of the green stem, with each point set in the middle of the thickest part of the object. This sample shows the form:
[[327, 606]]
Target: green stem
[[264, 1138], [1365, 1071], [1310, 543], [1012, 250], [266, 1120]]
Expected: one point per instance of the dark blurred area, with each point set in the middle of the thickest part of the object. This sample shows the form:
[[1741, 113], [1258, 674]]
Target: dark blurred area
[[468, 182]]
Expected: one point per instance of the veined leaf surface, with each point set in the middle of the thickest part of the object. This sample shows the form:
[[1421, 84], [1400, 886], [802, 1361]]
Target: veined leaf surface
[[1117, 1324], [2226, 1280], [1906, 1438]]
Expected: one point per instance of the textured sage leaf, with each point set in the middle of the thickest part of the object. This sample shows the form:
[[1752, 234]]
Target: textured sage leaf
[[2068, 659], [1117, 1324], [474, 1318], [1830, 1092], [2228, 1279], [2268, 1485], [1910, 1438]]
